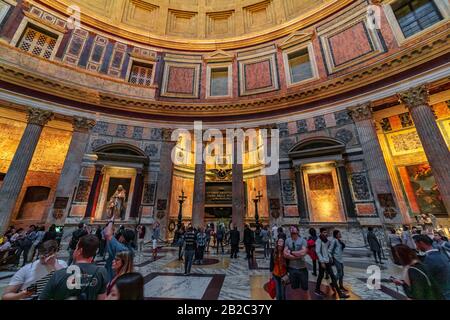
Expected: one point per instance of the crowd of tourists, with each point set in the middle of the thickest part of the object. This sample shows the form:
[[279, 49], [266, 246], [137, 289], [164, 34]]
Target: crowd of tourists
[[424, 258]]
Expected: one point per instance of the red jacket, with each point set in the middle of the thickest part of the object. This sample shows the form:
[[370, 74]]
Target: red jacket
[[311, 244]]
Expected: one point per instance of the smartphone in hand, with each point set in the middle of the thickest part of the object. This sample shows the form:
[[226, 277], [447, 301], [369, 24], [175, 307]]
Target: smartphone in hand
[[32, 289]]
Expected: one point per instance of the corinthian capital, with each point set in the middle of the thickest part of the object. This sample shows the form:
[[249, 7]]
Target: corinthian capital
[[167, 134], [417, 96], [39, 116], [361, 112], [82, 124]]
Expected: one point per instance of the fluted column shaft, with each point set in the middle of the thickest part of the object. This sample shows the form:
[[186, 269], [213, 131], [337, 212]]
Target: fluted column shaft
[[72, 166], [377, 171], [17, 171], [164, 189], [433, 143], [238, 192], [198, 205]]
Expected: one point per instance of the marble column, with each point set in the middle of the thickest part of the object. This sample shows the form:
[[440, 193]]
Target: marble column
[[377, 171], [198, 204], [238, 192], [71, 169], [345, 190], [164, 188], [17, 171], [137, 194], [436, 150], [93, 193], [273, 182], [301, 200]]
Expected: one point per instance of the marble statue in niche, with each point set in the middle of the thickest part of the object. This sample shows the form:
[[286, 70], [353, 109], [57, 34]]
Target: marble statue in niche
[[116, 203], [360, 187]]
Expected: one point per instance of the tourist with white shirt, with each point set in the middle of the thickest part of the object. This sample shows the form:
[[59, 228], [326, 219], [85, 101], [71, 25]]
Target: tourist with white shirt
[[29, 281]]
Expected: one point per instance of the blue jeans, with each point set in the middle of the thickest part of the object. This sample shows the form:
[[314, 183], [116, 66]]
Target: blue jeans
[[339, 272], [188, 259], [280, 289]]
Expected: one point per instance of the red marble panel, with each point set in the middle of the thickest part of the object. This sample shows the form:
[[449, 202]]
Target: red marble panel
[[181, 80], [365, 209], [350, 44], [258, 75], [291, 211]]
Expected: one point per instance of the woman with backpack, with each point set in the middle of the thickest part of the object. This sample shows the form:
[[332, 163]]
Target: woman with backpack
[[417, 282]]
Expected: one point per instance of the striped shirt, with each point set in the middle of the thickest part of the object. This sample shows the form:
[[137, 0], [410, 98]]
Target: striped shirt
[[189, 240]]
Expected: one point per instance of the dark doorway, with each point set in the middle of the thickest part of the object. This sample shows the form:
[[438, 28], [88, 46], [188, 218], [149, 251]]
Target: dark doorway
[[218, 213]]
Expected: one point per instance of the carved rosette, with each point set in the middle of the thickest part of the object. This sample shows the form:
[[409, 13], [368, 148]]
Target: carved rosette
[[39, 116], [414, 97], [82, 124], [361, 112]]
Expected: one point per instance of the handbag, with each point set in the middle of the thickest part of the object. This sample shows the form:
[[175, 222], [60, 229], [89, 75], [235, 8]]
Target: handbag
[[270, 287], [285, 280]]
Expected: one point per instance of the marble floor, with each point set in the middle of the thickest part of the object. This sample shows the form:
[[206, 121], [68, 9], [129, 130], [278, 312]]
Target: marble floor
[[224, 278]]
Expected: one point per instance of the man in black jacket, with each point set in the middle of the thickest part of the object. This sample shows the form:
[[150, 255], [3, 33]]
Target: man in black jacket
[[249, 240], [234, 242]]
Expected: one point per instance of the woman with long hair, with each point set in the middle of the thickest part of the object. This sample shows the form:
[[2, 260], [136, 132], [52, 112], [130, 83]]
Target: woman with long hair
[[129, 286], [278, 268], [417, 282], [122, 264]]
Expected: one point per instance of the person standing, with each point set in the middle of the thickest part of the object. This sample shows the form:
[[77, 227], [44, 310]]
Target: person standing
[[123, 263], [311, 243], [189, 250], [274, 233], [278, 268], [156, 231], [76, 235], [264, 234], [40, 232], [201, 243], [180, 241], [374, 245], [394, 240], [154, 248], [323, 253], [29, 281], [441, 243], [281, 234], [92, 281], [141, 237], [295, 251], [436, 262], [418, 282], [25, 244], [220, 234], [114, 245], [128, 287], [407, 238], [51, 233], [249, 241], [337, 247], [234, 242], [208, 232]]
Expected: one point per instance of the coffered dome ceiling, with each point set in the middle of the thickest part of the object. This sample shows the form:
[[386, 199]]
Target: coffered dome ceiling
[[200, 24]]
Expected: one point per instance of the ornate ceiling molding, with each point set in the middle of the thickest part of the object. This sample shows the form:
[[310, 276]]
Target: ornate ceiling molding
[[142, 35], [434, 47]]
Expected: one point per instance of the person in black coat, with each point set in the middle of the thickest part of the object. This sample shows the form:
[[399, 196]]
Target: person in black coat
[[374, 245], [235, 237], [249, 241]]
